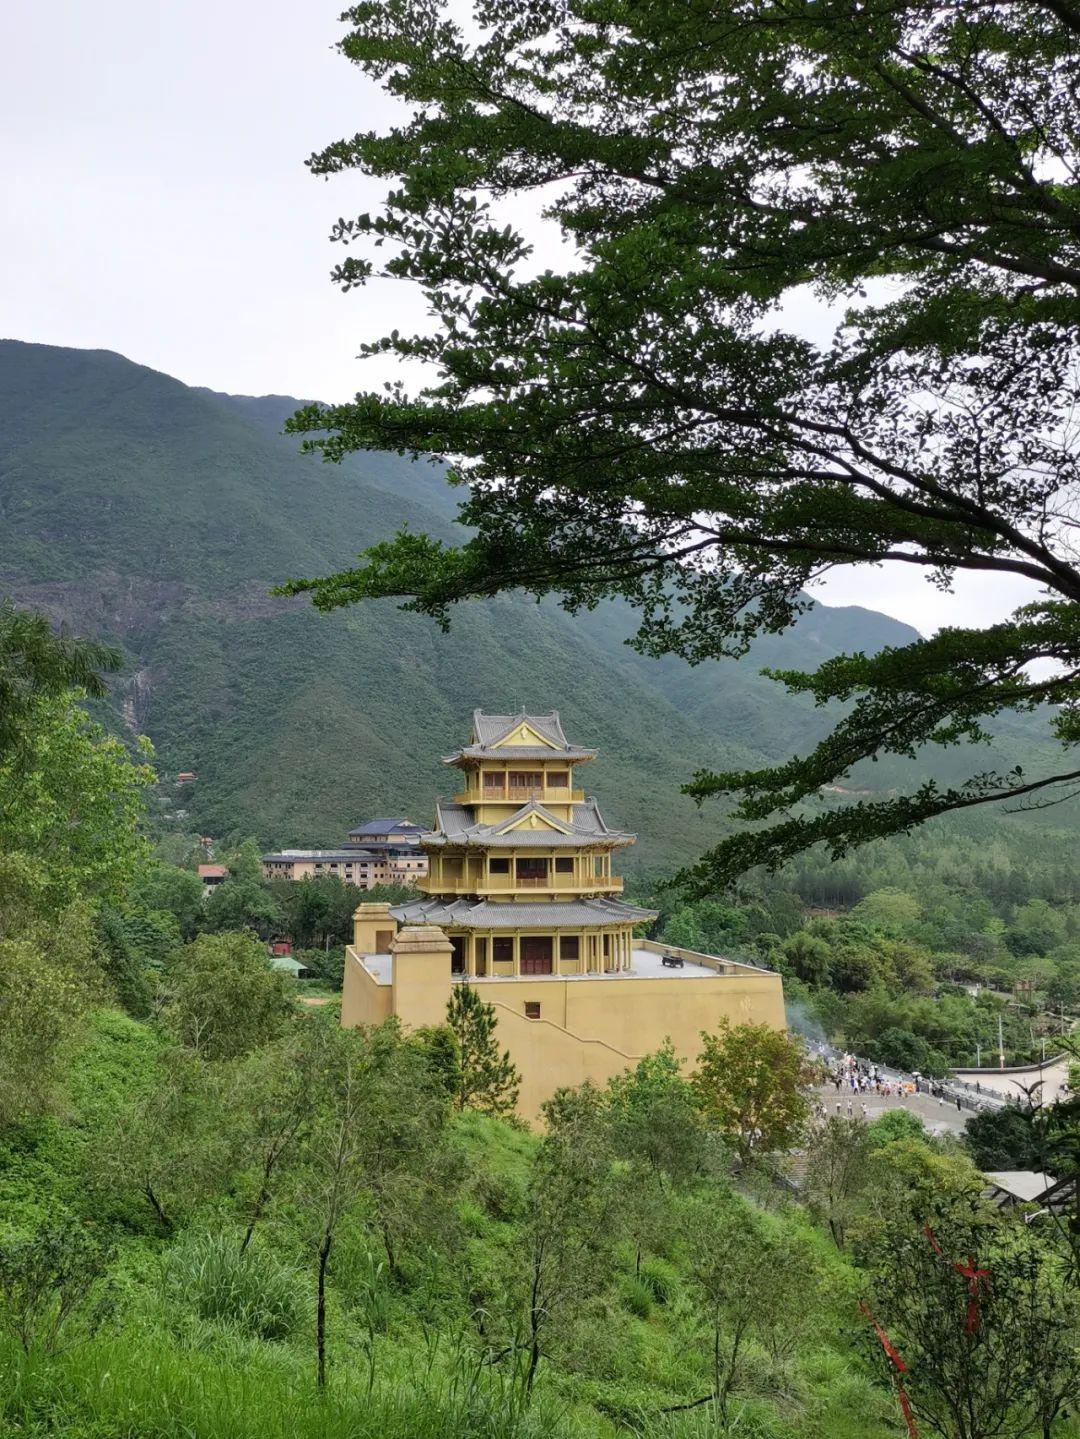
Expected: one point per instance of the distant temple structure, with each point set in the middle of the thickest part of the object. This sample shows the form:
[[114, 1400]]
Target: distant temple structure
[[382, 851], [520, 901]]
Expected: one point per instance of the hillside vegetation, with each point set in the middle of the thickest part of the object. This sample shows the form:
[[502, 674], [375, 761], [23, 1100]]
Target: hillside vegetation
[[222, 1215], [175, 1213]]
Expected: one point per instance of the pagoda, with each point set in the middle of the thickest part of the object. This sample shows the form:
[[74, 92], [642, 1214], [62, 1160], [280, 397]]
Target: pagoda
[[520, 873]]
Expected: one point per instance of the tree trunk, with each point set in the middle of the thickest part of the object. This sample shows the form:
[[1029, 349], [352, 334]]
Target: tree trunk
[[534, 1364], [388, 1245], [320, 1317], [262, 1200], [155, 1204], [534, 1333], [256, 1215]]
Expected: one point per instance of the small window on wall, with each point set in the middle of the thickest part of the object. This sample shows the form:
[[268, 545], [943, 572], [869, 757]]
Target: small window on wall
[[558, 779], [564, 866], [532, 1009], [500, 866]]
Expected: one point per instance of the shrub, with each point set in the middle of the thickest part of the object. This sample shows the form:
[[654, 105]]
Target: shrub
[[327, 965], [51, 1283], [500, 1196], [636, 1296], [659, 1278], [253, 1290]]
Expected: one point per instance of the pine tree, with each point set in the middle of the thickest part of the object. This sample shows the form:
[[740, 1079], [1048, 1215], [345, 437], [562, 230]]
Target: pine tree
[[489, 1081]]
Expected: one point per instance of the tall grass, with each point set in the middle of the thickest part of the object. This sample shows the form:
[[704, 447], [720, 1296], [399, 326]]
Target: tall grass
[[251, 1290], [142, 1387]]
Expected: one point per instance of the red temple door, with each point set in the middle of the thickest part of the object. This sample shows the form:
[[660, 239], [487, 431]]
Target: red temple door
[[537, 952]]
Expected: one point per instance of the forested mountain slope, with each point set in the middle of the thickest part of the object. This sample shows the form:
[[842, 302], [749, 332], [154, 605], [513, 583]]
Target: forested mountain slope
[[159, 515]]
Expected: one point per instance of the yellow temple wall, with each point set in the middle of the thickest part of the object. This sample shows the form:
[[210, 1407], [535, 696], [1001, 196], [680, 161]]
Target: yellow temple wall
[[549, 1057], [363, 999], [588, 1028], [596, 1027]]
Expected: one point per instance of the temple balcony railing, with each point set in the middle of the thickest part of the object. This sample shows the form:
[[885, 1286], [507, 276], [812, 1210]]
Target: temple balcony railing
[[517, 794], [500, 885]]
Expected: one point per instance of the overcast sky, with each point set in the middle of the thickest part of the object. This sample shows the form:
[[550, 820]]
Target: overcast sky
[[156, 203]]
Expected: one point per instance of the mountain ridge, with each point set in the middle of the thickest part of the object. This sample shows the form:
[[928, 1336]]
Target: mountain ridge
[[158, 515]]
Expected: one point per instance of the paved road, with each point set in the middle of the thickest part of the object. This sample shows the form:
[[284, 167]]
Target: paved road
[[1011, 1084], [938, 1118]]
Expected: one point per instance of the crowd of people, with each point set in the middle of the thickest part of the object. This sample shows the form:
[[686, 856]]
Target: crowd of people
[[855, 1079]]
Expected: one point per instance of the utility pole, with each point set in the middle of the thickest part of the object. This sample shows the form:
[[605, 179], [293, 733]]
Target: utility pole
[[1001, 1046], [978, 1054]]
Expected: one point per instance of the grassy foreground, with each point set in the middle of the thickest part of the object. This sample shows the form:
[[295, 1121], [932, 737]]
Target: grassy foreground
[[191, 1345]]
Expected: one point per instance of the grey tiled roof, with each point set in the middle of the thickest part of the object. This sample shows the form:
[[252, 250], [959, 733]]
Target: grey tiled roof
[[488, 730], [387, 826], [320, 856], [524, 754], [491, 914], [455, 826]]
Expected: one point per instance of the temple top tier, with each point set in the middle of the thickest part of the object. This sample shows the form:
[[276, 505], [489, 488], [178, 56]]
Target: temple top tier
[[518, 737]]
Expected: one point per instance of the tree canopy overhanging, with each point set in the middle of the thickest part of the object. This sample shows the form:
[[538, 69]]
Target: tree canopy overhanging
[[640, 423]]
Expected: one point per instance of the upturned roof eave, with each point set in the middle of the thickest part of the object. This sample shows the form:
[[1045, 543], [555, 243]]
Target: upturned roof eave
[[608, 840], [469, 912], [472, 754]]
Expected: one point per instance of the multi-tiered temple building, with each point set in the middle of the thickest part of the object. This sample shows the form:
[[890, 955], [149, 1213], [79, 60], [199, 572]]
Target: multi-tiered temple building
[[521, 899], [520, 874]]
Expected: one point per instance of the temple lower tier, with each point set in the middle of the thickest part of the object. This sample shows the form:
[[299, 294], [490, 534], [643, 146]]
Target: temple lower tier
[[503, 940]]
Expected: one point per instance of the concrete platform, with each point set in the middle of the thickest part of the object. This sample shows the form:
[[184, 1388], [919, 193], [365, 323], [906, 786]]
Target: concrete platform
[[939, 1118], [644, 965]]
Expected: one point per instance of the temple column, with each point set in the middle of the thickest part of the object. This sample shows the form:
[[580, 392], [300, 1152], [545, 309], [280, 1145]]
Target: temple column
[[517, 956]]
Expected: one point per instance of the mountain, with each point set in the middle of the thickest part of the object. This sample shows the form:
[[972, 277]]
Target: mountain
[[159, 515]]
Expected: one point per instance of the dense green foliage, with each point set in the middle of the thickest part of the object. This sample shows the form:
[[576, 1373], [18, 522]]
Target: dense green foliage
[[224, 1214], [481, 1282], [486, 1079], [37, 663], [642, 419], [909, 952]]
